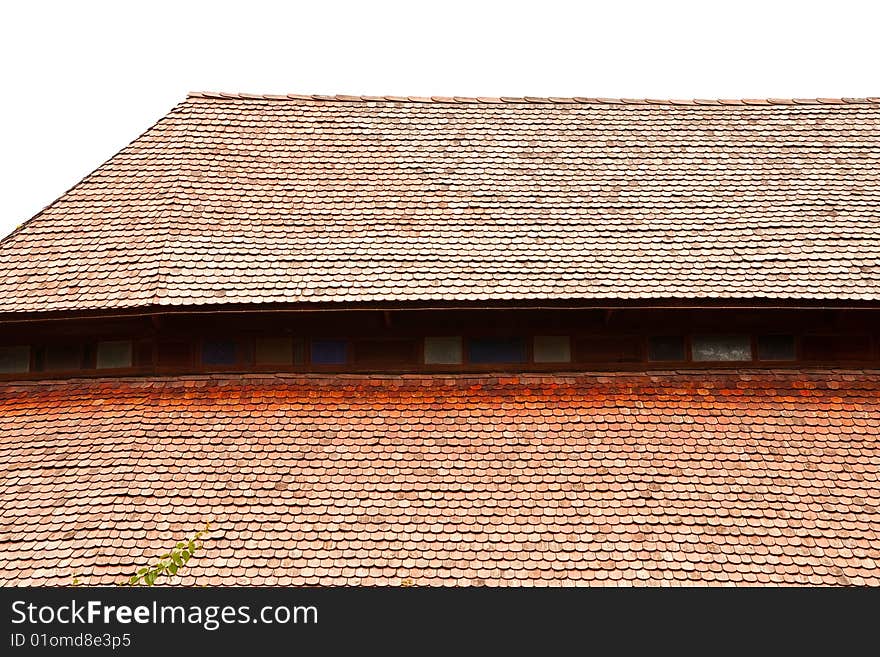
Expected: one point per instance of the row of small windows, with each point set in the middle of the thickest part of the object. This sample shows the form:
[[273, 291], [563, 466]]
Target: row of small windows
[[558, 349], [430, 352], [114, 354], [723, 348], [289, 351], [456, 350]]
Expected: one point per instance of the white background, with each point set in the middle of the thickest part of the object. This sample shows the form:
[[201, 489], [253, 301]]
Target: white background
[[80, 79]]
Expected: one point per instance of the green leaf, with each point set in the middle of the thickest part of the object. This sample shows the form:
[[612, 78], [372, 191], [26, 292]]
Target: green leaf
[[169, 563]]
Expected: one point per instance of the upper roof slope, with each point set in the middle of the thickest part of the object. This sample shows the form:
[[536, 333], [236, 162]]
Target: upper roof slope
[[253, 199]]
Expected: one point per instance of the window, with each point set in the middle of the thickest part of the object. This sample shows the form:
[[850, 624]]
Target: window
[[219, 352], [329, 352], [666, 348], [443, 351], [776, 347], [15, 359], [277, 351], [384, 353], [113, 355], [721, 348], [63, 357], [552, 349], [485, 351], [608, 350]]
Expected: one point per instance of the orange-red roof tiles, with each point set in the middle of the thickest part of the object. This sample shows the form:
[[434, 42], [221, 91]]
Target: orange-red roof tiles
[[254, 199], [698, 477]]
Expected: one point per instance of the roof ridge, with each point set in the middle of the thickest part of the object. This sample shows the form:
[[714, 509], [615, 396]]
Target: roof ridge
[[870, 100]]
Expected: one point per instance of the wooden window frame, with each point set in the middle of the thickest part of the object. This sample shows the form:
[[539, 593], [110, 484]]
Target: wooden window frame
[[328, 367], [116, 370], [472, 367], [764, 361], [239, 364], [550, 334], [752, 349], [292, 366], [440, 367], [685, 347], [246, 350], [30, 361], [81, 347]]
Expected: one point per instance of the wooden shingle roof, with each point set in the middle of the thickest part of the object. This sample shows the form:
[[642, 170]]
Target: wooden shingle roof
[[302, 199], [642, 478]]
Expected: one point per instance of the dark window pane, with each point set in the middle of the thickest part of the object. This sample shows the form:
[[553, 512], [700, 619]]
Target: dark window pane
[[381, 353], [115, 354], [62, 358], [175, 354], [707, 348], [776, 347], [218, 352], [329, 352], [274, 351], [666, 347], [607, 350], [443, 351], [497, 350], [836, 347], [552, 349], [15, 359]]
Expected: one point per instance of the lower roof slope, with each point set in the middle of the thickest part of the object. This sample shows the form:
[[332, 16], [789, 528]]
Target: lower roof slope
[[242, 199], [709, 477]]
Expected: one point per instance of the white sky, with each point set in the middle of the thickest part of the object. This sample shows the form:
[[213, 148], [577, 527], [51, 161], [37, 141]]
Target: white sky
[[81, 79]]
